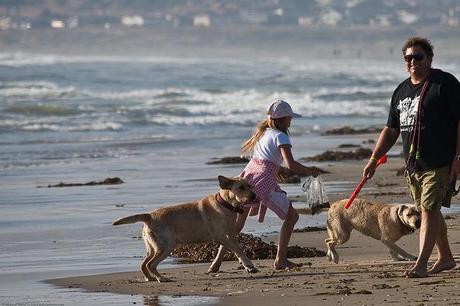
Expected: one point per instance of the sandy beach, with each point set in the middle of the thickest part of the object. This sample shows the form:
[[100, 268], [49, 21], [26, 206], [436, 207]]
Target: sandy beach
[[366, 275]]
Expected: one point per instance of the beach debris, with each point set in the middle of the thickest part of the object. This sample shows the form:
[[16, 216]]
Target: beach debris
[[338, 290], [400, 171], [441, 281], [386, 274], [379, 184], [348, 130], [358, 154], [347, 145], [388, 193], [363, 291], [228, 160], [384, 286], [297, 198], [253, 246], [309, 229], [107, 181]]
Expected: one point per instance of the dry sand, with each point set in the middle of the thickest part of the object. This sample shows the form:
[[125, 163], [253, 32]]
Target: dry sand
[[366, 274]]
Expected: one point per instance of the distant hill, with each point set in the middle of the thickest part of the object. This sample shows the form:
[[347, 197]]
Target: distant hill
[[26, 14]]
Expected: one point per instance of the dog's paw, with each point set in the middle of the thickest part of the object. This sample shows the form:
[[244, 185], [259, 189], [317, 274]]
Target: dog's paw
[[251, 269], [398, 258], [335, 258], [213, 270], [163, 280]]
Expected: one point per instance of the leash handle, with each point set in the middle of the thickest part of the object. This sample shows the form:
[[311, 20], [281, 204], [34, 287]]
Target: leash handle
[[414, 151], [382, 160]]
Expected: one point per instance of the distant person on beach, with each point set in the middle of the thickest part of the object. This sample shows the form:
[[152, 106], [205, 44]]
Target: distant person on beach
[[270, 146], [428, 121]]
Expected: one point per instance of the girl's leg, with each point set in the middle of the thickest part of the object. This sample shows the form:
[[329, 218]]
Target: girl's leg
[[281, 261]]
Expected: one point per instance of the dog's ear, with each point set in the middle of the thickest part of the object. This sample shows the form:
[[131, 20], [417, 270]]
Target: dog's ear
[[401, 209], [225, 182]]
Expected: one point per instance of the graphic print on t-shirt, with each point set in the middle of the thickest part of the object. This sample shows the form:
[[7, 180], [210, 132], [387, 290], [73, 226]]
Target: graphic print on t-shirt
[[407, 113]]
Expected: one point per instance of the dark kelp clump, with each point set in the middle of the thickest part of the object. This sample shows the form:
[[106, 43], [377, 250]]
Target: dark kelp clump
[[347, 130], [254, 247], [358, 154], [107, 181], [228, 160]]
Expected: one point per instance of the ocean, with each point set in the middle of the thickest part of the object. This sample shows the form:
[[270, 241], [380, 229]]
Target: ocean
[[154, 122]]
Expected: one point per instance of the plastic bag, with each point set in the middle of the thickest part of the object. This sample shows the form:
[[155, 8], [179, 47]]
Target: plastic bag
[[315, 193]]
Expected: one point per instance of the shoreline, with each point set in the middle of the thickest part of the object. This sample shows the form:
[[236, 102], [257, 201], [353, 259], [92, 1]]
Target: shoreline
[[365, 274]]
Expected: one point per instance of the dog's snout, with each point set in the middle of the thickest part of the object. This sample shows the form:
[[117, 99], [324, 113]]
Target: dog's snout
[[418, 223], [252, 197]]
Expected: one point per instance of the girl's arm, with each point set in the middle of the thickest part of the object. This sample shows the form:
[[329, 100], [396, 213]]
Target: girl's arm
[[294, 165]]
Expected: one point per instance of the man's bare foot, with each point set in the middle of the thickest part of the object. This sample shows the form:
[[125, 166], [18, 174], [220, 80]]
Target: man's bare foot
[[286, 265], [442, 266]]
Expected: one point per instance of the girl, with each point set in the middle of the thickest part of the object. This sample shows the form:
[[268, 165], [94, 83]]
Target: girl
[[270, 146]]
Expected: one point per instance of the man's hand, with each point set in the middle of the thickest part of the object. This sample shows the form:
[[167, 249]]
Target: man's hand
[[369, 169]]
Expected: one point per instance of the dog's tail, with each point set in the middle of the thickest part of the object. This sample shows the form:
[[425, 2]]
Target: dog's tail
[[133, 219]]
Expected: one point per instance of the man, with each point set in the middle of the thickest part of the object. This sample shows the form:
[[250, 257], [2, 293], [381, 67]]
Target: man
[[434, 160]]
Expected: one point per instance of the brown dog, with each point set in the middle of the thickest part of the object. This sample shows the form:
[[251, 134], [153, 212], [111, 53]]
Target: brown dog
[[387, 223], [211, 219]]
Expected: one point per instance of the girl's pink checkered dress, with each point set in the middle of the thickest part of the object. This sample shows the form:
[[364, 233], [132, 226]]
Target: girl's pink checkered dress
[[261, 175]]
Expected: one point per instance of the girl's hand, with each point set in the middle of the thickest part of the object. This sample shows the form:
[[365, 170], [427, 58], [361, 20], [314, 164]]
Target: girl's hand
[[315, 171]]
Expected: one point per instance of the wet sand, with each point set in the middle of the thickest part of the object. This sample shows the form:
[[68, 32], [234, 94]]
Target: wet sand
[[366, 275]]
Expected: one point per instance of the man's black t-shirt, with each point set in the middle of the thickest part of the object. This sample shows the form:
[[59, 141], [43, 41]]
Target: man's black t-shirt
[[440, 114]]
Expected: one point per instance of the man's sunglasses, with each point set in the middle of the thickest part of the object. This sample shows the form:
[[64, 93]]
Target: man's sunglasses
[[418, 57]]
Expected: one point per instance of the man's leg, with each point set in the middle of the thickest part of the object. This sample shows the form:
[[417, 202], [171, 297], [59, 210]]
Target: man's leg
[[445, 259], [429, 235]]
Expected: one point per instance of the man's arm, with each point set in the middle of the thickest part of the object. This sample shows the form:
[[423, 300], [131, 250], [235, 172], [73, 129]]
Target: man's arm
[[386, 140], [455, 170]]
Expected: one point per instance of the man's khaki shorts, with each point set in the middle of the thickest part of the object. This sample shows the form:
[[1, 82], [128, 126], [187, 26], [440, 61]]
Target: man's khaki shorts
[[429, 189]]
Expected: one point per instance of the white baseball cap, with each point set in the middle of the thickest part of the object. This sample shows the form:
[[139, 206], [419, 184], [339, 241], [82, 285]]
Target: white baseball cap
[[281, 109]]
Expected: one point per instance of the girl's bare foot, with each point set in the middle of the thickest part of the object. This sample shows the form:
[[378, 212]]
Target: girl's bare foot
[[440, 266], [287, 265]]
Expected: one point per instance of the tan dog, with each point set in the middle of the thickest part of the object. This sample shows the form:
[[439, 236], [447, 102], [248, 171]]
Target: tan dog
[[387, 223], [211, 219]]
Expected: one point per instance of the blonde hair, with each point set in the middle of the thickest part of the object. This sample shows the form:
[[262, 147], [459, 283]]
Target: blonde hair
[[262, 126]]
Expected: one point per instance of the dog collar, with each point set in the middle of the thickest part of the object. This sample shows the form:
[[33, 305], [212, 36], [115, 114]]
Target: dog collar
[[228, 205]]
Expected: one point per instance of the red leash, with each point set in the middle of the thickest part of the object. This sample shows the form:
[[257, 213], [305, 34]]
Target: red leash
[[382, 160]]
